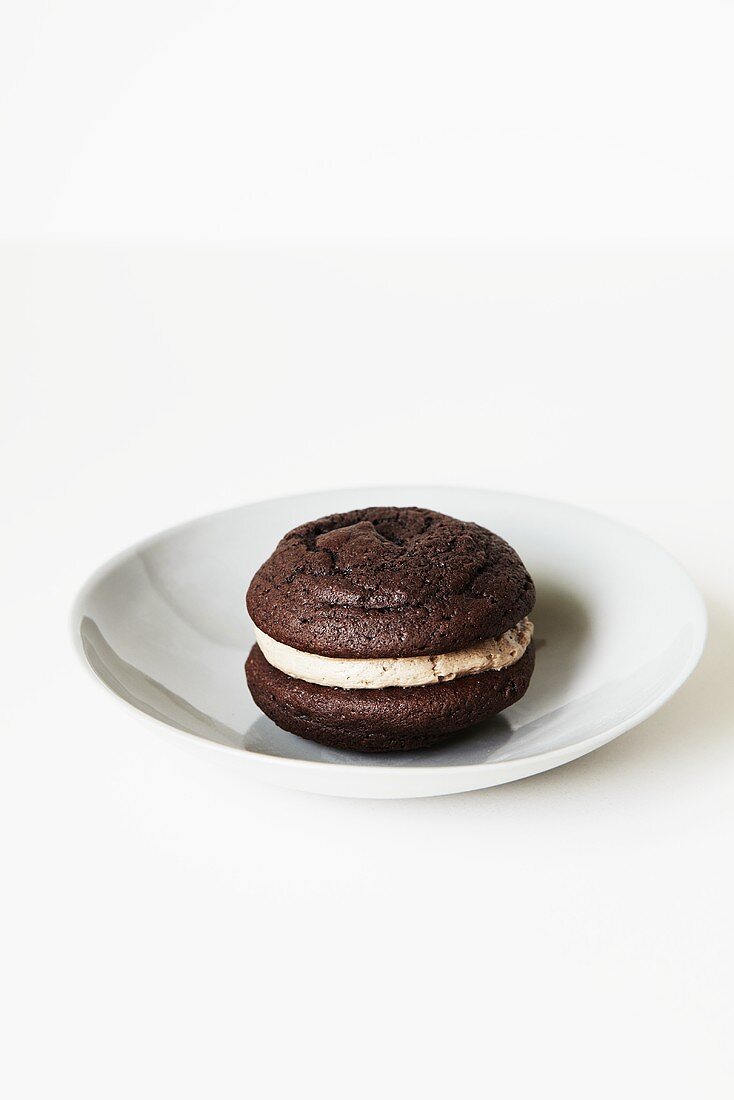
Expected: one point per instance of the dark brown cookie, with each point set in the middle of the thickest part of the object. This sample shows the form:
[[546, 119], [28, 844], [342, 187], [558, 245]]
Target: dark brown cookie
[[389, 582], [385, 719]]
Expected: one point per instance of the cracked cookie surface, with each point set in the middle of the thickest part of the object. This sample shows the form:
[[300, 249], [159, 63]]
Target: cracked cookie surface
[[389, 582]]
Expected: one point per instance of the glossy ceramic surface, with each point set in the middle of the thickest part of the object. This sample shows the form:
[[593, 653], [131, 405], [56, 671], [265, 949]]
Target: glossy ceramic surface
[[619, 627]]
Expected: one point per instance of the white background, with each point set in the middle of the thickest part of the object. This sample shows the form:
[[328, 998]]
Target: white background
[[255, 249]]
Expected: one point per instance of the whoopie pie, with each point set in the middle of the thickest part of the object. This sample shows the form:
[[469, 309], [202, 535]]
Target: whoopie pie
[[389, 628]]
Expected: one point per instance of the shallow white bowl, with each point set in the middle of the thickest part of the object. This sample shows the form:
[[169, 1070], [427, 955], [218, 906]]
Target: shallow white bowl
[[619, 627]]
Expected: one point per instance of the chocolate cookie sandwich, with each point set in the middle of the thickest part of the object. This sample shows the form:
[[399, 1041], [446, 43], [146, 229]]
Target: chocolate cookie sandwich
[[389, 628]]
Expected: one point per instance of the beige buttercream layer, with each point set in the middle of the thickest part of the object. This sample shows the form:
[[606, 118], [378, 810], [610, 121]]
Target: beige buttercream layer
[[382, 672]]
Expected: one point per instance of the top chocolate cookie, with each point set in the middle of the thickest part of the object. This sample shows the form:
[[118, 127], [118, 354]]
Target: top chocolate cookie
[[389, 582]]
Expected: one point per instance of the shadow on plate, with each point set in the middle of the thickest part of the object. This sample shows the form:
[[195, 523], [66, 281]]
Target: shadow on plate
[[562, 626]]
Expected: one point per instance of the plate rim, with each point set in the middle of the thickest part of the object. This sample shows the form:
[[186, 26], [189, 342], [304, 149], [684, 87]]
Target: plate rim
[[547, 757]]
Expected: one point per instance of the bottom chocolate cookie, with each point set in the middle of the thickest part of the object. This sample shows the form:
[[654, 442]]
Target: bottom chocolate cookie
[[384, 719]]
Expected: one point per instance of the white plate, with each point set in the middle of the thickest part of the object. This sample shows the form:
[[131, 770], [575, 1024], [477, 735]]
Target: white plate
[[619, 627]]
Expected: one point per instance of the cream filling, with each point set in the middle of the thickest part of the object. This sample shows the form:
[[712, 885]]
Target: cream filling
[[382, 672]]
